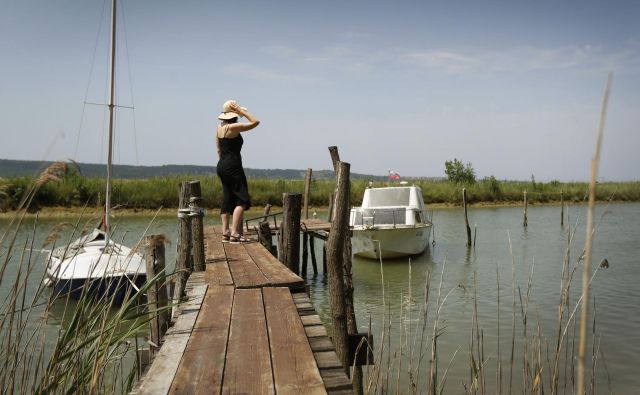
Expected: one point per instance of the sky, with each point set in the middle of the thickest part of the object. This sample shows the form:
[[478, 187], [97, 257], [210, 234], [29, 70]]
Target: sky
[[514, 87]]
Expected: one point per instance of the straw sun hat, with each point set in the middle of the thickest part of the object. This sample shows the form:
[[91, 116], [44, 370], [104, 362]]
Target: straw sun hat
[[227, 114]]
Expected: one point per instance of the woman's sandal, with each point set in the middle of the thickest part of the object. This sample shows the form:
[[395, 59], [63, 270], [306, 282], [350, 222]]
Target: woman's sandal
[[226, 237], [239, 239]]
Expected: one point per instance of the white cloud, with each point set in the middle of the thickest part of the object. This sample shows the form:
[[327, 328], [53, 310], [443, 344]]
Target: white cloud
[[249, 71], [526, 59]]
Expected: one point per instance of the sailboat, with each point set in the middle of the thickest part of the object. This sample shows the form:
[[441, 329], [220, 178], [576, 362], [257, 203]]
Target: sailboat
[[94, 265]]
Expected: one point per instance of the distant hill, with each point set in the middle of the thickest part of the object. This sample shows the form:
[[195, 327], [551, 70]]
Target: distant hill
[[19, 168]]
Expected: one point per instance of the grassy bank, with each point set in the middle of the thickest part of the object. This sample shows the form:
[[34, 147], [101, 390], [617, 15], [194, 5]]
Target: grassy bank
[[152, 193]]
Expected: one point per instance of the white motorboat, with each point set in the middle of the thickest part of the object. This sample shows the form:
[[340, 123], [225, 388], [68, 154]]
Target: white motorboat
[[94, 265], [391, 223]]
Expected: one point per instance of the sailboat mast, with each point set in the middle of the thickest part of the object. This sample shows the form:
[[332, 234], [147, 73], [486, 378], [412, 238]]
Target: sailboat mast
[[111, 106]]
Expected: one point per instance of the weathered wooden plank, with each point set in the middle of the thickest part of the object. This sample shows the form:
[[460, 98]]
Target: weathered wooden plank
[[246, 274], [248, 364], [300, 297], [304, 305], [315, 331], [164, 367], [214, 248], [335, 379], [327, 360], [276, 272], [218, 274], [294, 367], [311, 320], [202, 364], [322, 343], [244, 271]]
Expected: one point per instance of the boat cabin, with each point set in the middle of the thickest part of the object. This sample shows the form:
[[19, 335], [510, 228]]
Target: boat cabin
[[390, 206]]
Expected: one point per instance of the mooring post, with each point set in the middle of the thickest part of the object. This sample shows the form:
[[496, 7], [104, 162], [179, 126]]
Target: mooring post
[[305, 253], [307, 188], [466, 218], [331, 200], [312, 247], [264, 232], [183, 260], [524, 221], [561, 210], [154, 258], [324, 260], [335, 260], [197, 231], [290, 237]]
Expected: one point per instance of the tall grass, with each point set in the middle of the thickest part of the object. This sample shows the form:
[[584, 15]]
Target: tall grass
[[93, 349], [539, 363], [74, 190]]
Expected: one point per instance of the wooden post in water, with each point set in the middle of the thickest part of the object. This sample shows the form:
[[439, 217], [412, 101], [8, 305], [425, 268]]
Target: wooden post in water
[[290, 236], [524, 221], [335, 259], [264, 232], [305, 253], [307, 188], [197, 231], [352, 328], [330, 214], [466, 217], [183, 260], [561, 209], [324, 260], [154, 258], [312, 247]]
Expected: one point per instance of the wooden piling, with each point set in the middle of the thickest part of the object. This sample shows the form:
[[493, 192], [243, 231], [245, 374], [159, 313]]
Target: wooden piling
[[335, 259], [466, 217], [154, 257], [305, 253], [183, 260], [290, 237], [561, 210], [524, 221], [330, 214], [307, 188], [324, 260], [197, 231], [312, 247], [475, 233], [352, 329]]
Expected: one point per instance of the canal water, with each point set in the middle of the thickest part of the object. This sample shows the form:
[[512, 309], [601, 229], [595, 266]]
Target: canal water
[[390, 295]]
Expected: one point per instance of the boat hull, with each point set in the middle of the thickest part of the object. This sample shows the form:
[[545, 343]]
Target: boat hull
[[116, 289], [390, 242]]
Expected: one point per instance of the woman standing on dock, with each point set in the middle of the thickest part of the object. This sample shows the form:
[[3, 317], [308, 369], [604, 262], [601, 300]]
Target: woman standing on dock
[[234, 182]]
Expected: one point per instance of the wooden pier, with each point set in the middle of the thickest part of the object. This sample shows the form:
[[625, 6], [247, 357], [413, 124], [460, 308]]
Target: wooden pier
[[248, 326]]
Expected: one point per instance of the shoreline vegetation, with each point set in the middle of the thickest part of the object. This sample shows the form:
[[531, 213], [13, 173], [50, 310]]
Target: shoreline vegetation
[[71, 193]]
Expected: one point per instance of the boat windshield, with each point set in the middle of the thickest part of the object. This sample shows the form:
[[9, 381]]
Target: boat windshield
[[388, 216], [389, 197]]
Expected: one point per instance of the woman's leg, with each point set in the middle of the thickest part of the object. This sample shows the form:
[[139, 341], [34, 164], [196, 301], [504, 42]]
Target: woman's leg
[[238, 216], [225, 223]]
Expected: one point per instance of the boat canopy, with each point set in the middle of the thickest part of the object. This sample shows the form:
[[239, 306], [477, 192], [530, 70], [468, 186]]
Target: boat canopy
[[393, 197]]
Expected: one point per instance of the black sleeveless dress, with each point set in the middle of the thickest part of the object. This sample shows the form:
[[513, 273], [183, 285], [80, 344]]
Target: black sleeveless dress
[[234, 182]]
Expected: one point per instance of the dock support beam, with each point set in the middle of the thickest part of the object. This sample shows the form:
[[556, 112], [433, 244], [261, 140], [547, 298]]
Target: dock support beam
[[466, 217], [290, 237], [154, 258], [524, 220], [335, 259], [184, 263], [197, 231]]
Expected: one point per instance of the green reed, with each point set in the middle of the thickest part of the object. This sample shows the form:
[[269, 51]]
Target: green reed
[[74, 190], [92, 350]]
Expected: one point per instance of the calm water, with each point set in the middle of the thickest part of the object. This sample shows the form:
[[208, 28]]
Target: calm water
[[537, 249]]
